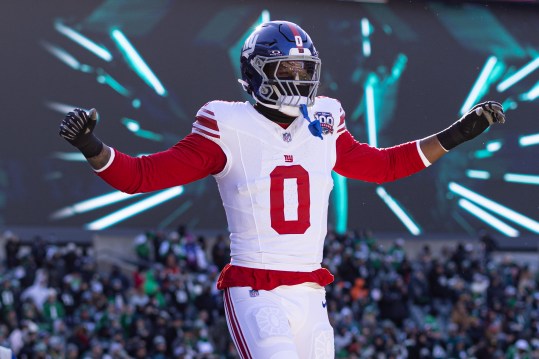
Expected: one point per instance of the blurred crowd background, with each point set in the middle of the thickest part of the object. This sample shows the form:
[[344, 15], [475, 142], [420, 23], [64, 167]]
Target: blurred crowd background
[[469, 301]]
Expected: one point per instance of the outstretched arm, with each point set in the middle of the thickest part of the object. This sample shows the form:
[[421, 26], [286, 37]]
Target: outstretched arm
[[473, 123], [361, 161], [192, 158]]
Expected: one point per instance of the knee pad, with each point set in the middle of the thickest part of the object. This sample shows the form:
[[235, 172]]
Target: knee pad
[[271, 322], [324, 347]]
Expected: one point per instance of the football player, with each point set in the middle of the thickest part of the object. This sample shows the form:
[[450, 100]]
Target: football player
[[272, 162]]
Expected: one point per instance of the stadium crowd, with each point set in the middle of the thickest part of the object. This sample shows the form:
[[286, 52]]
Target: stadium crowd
[[55, 302]]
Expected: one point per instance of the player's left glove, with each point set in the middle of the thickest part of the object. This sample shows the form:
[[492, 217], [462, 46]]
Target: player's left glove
[[473, 123]]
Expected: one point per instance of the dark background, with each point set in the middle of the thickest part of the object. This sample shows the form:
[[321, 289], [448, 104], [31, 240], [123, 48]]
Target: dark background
[[187, 44]]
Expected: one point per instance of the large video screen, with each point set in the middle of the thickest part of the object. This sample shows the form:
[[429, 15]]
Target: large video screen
[[401, 70]]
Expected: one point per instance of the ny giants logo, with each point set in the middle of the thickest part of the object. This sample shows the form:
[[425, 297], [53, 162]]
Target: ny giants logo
[[288, 158], [249, 45], [326, 121]]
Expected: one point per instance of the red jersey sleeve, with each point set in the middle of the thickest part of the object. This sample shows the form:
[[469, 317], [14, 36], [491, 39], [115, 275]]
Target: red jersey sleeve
[[192, 158], [363, 162]]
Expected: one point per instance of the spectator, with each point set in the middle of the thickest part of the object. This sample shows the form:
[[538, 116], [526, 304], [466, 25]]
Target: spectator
[[12, 247], [52, 309], [143, 247], [519, 350], [39, 291], [220, 252], [160, 348]]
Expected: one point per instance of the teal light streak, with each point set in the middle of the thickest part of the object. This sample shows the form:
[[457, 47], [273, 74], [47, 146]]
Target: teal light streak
[[371, 110], [70, 156], [85, 42], [134, 127], [493, 206], [489, 219], [91, 204], [341, 203], [509, 104], [482, 154], [478, 174], [175, 215], [399, 211], [137, 63], [532, 94], [365, 33], [398, 67], [521, 178], [493, 146], [519, 75], [62, 107], [529, 140], [235, 50], [131, 124], [480, 86], [463, 223], [135, 209], [63, 56], [149, 135], [104, 78], [490, 148]]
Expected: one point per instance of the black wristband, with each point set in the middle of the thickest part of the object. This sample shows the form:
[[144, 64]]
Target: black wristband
[[88, 145], [451, 137], [469, 126]]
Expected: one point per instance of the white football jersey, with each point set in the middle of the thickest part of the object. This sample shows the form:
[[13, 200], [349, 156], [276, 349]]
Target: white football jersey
[[276, 183]]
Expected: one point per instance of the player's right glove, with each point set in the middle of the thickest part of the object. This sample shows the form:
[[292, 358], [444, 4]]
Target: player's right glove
[[473, 123], [77, 128]]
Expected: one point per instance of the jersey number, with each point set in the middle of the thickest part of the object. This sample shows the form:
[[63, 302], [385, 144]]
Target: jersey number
[[277, 200]]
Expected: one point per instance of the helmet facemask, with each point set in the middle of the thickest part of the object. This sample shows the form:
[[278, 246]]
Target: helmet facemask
[[287, 81]]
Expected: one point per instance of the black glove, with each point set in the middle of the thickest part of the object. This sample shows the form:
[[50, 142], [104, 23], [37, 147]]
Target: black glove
[[471, 124], [77, 128]]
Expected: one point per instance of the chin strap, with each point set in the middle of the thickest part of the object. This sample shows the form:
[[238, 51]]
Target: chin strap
[[314, 126]]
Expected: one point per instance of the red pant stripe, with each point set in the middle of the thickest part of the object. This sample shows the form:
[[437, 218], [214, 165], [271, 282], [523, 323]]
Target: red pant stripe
[[236, 329]]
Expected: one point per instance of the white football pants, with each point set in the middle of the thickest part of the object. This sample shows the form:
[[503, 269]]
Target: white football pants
[[288, 322], [5, 353]]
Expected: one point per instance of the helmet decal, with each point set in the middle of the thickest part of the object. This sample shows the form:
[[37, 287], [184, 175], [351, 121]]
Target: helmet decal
[[297, 37], [299, 42], [249, 45]]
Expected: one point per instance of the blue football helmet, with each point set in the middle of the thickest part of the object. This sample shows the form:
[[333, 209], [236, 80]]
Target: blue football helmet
[[280, 67]]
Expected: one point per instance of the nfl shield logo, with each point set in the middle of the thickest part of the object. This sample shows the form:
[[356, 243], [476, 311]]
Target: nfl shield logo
[[253, 293], [287, 137]]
